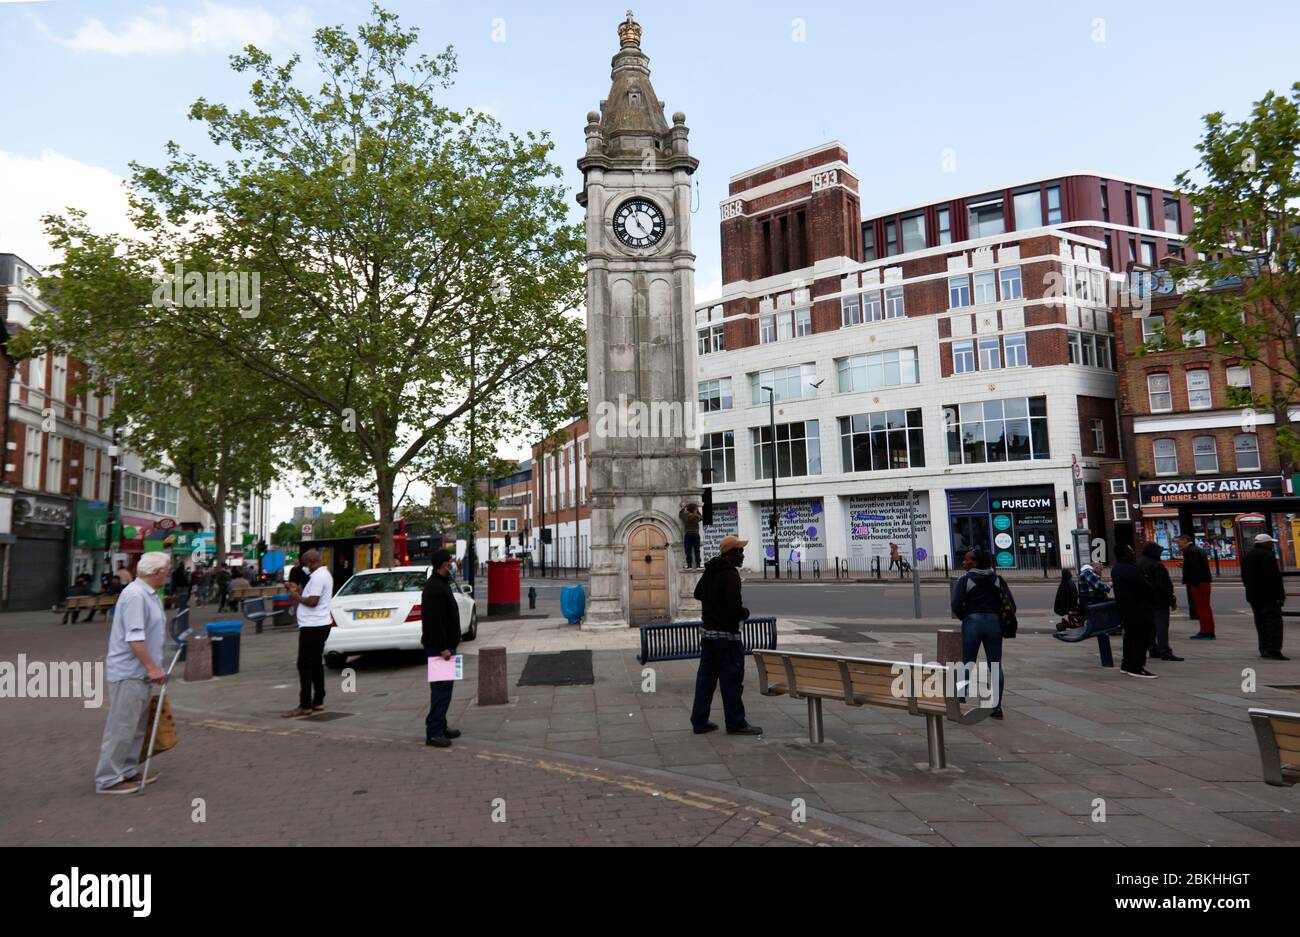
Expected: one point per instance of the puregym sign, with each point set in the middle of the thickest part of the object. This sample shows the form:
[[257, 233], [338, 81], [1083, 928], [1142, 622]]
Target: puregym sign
[[1213, 489]]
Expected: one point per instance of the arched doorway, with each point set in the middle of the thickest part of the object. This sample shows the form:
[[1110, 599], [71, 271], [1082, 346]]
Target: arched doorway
[[647, 558]]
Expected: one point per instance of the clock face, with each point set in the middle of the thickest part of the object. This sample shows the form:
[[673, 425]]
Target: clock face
[[639, 223]]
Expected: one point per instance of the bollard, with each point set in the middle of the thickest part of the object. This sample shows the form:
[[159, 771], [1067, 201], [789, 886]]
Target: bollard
[[532, 597], [801, 568], [492, 690], [817, 572], [198, 658]]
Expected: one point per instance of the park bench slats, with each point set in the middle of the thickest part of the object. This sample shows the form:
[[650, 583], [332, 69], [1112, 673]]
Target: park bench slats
[[1278, 734], [680, 640], [859, 681]]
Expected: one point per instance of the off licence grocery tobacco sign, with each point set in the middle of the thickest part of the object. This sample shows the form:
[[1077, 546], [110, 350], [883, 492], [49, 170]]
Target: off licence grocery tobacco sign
[[1199, 491]]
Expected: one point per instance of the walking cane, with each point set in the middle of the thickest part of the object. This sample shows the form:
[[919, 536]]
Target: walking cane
[[157, 716]]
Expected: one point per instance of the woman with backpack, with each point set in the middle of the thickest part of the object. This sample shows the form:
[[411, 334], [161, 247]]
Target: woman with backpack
[[982, 601]]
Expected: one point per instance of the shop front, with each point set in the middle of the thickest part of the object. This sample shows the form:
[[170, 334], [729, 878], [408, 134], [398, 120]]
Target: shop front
[[1223, 515], [1017, 525], [38, 566], [801, 532], [876, 524]]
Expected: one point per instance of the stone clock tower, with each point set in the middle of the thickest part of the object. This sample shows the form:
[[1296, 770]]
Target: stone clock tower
[[645, 457]]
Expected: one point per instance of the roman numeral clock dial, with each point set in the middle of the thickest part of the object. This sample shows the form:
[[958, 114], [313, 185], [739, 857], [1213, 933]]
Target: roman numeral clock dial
[[639, 223]]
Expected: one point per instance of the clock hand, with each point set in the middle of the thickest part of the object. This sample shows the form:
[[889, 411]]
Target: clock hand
[[634, 226]]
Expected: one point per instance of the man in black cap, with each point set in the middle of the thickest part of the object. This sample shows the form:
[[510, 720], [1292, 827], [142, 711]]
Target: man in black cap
[[439, 634], [722, 650]]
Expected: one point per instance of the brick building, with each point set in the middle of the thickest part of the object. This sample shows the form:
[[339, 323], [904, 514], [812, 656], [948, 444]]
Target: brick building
[[1195, 463], [500, 530], [962, 348], [562, 495]]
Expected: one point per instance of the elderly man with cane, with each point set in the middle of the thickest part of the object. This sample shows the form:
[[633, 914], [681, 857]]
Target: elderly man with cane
[[135, 646]]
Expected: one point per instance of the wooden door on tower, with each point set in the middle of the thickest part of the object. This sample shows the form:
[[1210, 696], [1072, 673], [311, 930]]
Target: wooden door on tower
[[648, 575]]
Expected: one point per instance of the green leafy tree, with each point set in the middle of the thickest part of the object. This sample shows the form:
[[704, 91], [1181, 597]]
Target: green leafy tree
[[1245, 193], [343, 523], [195, 416], [414, 262], [286, 534]]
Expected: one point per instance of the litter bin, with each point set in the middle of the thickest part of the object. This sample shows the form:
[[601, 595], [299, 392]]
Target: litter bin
[[224, 637], [283, 606]]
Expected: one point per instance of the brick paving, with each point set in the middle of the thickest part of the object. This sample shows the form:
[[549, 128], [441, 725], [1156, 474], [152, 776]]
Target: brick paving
[[1171, 761]]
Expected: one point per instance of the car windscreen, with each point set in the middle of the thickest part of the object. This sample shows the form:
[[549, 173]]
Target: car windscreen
[[384, 582]]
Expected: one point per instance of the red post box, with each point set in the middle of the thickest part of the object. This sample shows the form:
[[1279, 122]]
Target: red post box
[[503, 587]]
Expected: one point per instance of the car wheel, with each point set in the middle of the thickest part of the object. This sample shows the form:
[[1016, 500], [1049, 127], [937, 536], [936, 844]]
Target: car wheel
[[473, 626], [335, 660]]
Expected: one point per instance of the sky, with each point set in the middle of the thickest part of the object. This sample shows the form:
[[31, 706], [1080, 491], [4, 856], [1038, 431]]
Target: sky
[[930, 99]]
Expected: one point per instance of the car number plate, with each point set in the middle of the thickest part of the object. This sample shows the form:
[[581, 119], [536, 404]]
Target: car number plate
[[364, 614]]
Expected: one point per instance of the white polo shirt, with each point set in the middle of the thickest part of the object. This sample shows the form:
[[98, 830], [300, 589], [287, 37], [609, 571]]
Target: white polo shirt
[[321, 583]]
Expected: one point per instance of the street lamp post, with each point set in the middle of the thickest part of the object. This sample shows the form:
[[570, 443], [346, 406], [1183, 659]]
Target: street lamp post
[[776, 548]]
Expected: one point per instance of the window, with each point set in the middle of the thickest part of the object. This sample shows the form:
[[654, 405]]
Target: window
[[1011, 287], [1158, 393], [1029, 209], [1166, 456], [793, 383], [1205, 453], [719, 457], [710, 340], [54, 465], [1246, 447], [985, 288], [1198, 389], [1011, 430], [492, 525], [1144, 210], [913, 233], [32, 458], [963, 357], [509, 524], [784, 325], [850, 311], [894, 303], [766, 329], [1194, 339], [877, 369], [1118, 486], [1120, 507], [88, 474], [958, 292], [1105, 202], [798, 450], [1153, 329], [36, 379], [803, 321], [945, 226], [869, 241], [1017, 352], [59, 378], [715, 395], [986, 217], [1148, 254], [1239, 377], [1173, 220], [1103, 351], [875, 442], [1098, 430], [891, 239], [872, 311], [1053, 204], [990, 354]]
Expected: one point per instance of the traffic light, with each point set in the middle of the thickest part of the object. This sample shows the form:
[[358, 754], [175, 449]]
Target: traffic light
[[708, 506], [261, 549]]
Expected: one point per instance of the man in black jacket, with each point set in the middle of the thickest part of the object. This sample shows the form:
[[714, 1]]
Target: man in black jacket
[[439, 634], [1137, 600], [722, 653], [1156, 574], [1197, 578], [1266, 594]]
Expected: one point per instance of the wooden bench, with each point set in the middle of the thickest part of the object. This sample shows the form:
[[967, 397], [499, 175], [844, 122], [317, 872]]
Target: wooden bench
[[860, 681], [84, 603], [680, 640], [1278, 734]]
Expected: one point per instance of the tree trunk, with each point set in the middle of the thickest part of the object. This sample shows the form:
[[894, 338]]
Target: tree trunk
[[385, 492]]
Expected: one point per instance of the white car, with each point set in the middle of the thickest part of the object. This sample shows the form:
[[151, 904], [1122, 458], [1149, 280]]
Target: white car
[[379, 610]]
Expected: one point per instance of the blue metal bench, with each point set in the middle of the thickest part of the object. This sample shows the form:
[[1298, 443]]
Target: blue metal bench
[[1102, 621], [680, 640], [257, 611]]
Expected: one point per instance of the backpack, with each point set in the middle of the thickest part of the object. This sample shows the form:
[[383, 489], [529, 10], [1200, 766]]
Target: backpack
[[1067, 597]]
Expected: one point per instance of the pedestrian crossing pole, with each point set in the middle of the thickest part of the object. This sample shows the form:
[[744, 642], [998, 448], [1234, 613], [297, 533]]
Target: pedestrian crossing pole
[[916, 579]]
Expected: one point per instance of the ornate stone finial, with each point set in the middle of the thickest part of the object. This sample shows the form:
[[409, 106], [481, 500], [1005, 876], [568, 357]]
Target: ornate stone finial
[[629, 32]]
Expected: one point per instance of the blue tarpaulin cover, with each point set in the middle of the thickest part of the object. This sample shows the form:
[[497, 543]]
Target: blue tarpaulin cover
[[573, 603]]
